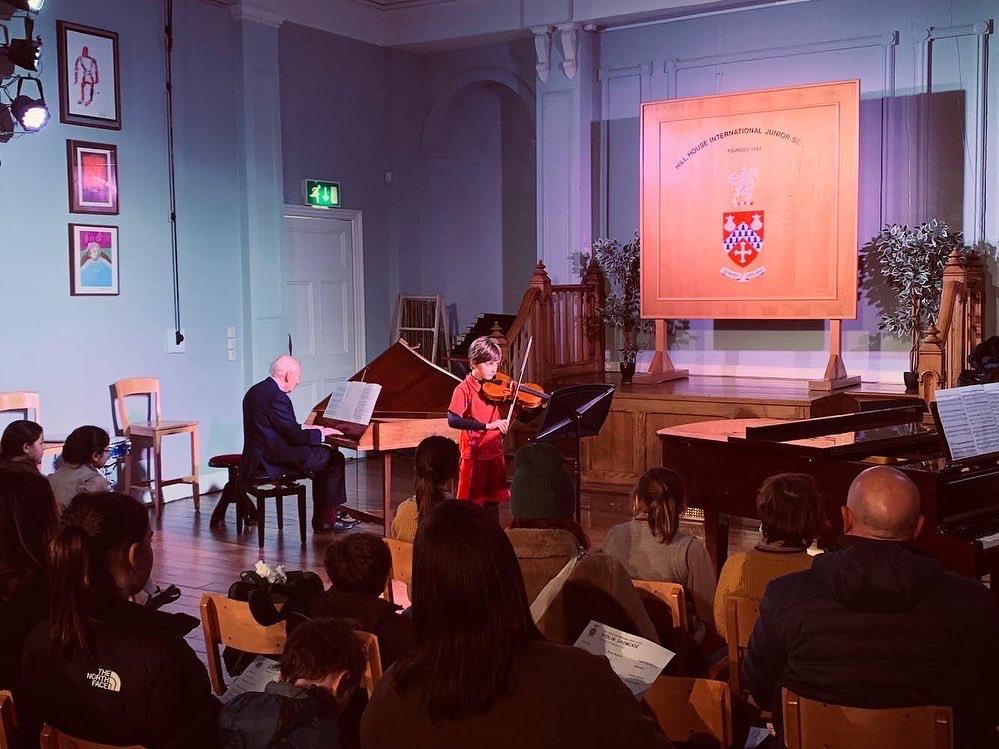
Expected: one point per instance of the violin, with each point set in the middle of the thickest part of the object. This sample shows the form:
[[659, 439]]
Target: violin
[[501, 388]]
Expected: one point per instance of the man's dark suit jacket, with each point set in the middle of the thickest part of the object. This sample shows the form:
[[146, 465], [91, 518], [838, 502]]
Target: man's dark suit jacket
[[273, 440]]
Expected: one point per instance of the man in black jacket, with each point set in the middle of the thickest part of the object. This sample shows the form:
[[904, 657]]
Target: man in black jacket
[[880, 624], [275, 443]]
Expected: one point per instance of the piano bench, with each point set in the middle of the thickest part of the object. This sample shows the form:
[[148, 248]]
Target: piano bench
[[278, 487]]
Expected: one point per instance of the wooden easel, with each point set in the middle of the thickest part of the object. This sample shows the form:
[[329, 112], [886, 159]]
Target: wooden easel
[[835, 377], [661, 367]]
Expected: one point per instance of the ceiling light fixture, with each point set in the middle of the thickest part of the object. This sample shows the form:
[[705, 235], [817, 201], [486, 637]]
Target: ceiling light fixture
[[30, 5], [6, 124], [31, 114], [26, 52]]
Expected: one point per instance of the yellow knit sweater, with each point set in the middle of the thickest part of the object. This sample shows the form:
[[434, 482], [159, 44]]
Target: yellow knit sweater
[[748, 573]]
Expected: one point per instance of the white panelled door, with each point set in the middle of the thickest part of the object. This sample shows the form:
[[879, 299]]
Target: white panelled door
[[323, 298]]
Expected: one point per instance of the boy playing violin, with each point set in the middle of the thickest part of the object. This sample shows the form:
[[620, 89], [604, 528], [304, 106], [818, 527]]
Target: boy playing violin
[[482, 469]]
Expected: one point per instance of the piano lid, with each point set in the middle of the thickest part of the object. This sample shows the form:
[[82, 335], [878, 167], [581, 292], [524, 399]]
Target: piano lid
[[412, 386]]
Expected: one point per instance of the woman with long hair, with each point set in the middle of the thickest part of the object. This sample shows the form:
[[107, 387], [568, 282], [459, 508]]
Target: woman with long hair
[[652, 546], [27, 522], [482, 675], [101, 667], [22, 446], [435, 468]]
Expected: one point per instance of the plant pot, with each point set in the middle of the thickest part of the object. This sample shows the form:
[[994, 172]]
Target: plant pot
[[911, 380], [627, 372]]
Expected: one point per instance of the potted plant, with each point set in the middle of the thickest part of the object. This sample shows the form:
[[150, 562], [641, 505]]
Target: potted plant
[[621, 310], [911, 262]]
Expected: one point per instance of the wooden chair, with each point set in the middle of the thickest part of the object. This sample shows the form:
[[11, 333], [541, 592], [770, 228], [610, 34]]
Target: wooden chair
[[402, 564], [741, 614], [30, 404], [228, 622], [373, 669], [692, 710], [53, 738], [674, 596], [8, 721], [808, 723], [148, 435]]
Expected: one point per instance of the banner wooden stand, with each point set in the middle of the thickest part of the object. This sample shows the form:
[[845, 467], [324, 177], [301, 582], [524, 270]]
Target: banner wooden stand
[[835, 377], [661, 367]]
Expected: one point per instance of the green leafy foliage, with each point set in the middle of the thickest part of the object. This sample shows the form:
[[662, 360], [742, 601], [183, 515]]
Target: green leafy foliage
[[621, 310]]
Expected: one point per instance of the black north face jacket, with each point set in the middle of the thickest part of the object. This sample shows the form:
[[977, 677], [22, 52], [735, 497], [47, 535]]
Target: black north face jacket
[[141, 684], [880, 624]]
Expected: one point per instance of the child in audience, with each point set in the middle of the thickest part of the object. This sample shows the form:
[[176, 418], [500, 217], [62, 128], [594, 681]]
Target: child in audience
[[436, 467], [321, 666], [27, 523], [652, 547], [482, 471], [85, 451], [358, 566], [22, 446], [482, 675], [101, 667], [790, 512]]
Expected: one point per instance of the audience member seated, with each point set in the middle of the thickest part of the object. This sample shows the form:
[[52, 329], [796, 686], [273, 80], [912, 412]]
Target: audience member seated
[[27, 523], [321, 667], [880, 623], [790, 512], [102, 668], [85, 451], [22, 446], [359, 566], [436, 467], [482, 675], [652, 546], [544, 534]]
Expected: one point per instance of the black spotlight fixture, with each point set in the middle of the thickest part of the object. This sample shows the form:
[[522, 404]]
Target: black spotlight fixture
[[29, 5], [31, 114], [6, 124], [25, 52]]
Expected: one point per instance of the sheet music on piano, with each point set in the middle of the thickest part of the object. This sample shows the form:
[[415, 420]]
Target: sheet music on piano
[[351, 405], [969, 417]]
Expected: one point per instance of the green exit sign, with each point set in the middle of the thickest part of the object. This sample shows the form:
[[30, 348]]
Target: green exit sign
[[322, 194]]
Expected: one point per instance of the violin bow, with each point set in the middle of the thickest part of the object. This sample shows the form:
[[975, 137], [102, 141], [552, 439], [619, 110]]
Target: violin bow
[[523, 368]]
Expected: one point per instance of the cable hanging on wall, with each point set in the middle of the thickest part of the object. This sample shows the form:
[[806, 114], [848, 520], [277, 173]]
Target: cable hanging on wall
[[168, 30]]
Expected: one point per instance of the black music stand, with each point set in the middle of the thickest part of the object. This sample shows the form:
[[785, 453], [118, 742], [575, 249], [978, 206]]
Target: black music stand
[[575, 412]]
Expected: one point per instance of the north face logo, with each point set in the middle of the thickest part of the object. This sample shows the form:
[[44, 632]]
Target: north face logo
[[105, 679]]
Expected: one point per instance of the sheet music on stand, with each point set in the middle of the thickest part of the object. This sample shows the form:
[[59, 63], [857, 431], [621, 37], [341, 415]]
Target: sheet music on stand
[[350, 407], [969, 419]]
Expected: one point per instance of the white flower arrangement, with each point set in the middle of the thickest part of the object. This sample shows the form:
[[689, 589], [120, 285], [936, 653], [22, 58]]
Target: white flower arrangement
[[276, 575]]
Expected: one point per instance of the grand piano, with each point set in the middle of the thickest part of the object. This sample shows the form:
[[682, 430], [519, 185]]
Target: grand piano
[[411, 406], [723, 464]]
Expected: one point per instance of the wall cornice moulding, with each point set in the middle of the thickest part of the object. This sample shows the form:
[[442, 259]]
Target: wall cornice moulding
[[247, 11]]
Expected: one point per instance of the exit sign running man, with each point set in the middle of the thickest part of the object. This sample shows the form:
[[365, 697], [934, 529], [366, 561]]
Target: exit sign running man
[[322, 194]]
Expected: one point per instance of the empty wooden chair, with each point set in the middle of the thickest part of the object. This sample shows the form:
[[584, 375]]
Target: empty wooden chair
[[148, 435], [741, 614], [673, 596], [402, 564], [8, 721], [373, 669], [698, 711], [811, 724], [228, 622], [30, 404], [53, 738]]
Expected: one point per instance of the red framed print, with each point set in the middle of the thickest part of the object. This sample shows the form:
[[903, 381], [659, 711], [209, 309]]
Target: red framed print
[[93, 177]]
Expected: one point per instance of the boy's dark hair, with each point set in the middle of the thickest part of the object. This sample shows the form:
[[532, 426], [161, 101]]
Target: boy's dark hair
[[82, 443], [358, 563], [319, 647], [790, 509]]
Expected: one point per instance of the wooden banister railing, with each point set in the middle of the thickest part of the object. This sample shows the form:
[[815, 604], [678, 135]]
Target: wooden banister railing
[[565, 323], [944, 349]]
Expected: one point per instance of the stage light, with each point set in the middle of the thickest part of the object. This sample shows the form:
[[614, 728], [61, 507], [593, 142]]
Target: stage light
[[25, 52], [6, 124], [33, 5], [31, 114]]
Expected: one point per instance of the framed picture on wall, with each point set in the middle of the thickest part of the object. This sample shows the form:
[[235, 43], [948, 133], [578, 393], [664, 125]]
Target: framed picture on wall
[[89, 81], [93, 260], [93, 177]]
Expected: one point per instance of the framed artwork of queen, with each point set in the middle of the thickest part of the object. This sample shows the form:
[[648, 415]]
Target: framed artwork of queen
[[93, 260]]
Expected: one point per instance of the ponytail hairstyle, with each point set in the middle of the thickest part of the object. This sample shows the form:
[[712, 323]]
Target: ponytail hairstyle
[[27, 524], [660, 491], [435, 465], [92, 529], [18, 434]]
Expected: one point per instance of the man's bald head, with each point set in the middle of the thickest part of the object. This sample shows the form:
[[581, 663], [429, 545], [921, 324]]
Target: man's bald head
[[286, 371], [883, 503]]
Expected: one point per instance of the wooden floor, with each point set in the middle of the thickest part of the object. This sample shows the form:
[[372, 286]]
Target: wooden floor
[[198, 560]]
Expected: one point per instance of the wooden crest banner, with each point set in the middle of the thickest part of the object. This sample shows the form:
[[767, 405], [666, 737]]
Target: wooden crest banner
[[749, 204]]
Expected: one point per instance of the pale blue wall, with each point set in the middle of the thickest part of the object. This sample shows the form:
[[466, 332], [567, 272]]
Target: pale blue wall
[[70, 349]]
